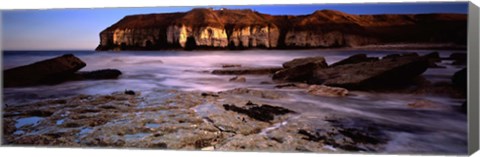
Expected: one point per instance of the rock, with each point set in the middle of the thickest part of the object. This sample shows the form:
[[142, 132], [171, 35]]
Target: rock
[[296, 85], [300, 73], [98, 74], [267, 94], [238, 79], [385, 73], [358, 58], [247, 71], [412, 54], [434, 56], [209, 94], [322, 90], [48, 71], [458, 58], [231, 65], [391, 56], [210, 148], [459, 79], [421, 104], [265, 113], [319, 60], [129, 92], [285, 85]]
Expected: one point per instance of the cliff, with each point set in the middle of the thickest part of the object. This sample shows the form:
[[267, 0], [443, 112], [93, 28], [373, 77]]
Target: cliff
[[241, 29]]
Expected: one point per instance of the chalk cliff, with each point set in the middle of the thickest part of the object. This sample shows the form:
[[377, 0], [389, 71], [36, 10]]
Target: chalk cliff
[[241, 29]]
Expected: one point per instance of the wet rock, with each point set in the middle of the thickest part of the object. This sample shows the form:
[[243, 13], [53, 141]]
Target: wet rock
[[299, 73], [459, 79], [238, 79], [209, 94], [350, 135], [285, 85], [319, 60], [458, 58], [311, 136], [390, 56], [410, 54], [129, 92], [322, 90], [8, 126], [202, 143], [426, 104], [231, 65], [263, 112], [358, 58], [386, 73], [247, 71], [210, 148], [98, 74], [434, 56], [256, 93], [48, 71], [300, 69]]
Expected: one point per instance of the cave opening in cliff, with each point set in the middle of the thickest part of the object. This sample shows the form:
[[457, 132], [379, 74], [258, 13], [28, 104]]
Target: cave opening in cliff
[[123, 46], [190, 44], [149, 45]]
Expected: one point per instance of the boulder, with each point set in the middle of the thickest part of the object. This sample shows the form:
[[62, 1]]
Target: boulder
[[231, 65], [358, 58], [434, 56], [98, 74], [299, 73], [322, 90], [48, 71], [244, 71], [458, 58], [389, 72], [412, 54], [319, 60], [391, 56], [238, 79], [459, 79]]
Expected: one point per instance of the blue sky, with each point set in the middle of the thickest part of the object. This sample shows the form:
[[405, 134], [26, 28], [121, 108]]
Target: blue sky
[[78, 29]]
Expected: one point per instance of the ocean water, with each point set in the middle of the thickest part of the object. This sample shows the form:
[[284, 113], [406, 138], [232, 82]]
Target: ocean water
[[417, 130]]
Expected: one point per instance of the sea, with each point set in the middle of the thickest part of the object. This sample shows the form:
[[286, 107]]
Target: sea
[[147, 71]]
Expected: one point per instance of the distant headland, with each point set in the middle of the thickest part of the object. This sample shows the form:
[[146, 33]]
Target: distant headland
[[244, 29]]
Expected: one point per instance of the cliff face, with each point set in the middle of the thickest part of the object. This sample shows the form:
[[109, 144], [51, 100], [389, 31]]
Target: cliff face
[[240, 29]]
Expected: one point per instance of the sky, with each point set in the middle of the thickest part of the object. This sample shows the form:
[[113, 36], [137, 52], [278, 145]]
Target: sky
[[78, 29]]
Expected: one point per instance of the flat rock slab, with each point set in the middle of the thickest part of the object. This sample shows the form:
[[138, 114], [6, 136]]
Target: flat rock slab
[[247, 71], [43, 72], [358, 58], [301, 61], [98, 74], [367, 75], [263, 112]]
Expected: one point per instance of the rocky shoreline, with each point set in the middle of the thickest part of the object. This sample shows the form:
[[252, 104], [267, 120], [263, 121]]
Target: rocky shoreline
[[180, 120], [240, 119]]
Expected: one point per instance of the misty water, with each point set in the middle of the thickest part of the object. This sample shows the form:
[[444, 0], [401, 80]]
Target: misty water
[[418, 130]]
